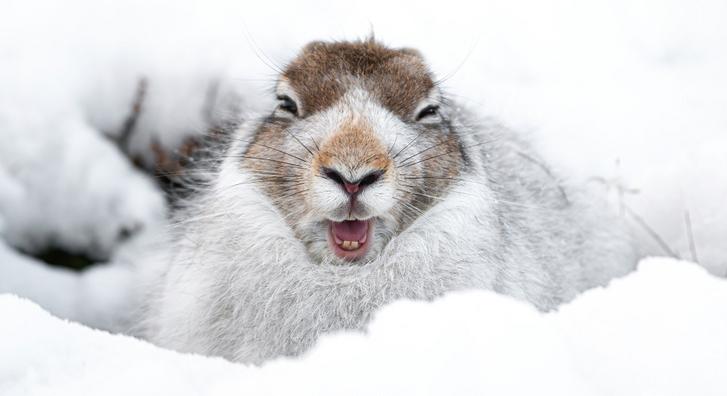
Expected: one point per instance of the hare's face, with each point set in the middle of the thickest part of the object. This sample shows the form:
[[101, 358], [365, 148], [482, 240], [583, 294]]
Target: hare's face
[[358, 148]]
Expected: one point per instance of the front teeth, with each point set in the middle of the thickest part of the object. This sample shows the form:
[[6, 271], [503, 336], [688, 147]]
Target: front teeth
[[349, 245]]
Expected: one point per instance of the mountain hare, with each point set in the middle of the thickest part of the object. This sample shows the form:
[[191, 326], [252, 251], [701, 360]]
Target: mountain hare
[[364, 185]]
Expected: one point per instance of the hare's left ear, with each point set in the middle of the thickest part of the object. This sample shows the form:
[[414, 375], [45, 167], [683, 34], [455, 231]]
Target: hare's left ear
[[313, 45], [412, 52], [371, 37]]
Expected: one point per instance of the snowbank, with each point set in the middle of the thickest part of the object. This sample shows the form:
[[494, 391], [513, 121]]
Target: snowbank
[[624, 95], [99, 297], [658, 331]]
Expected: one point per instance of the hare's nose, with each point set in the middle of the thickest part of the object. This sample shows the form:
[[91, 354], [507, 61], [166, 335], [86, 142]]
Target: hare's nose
[[353, 187]]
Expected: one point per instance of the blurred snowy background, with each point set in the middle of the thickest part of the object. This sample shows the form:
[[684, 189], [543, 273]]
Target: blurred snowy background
[[625, 96]]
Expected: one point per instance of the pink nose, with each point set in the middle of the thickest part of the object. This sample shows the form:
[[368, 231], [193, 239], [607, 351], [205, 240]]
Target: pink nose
[[351, 188]]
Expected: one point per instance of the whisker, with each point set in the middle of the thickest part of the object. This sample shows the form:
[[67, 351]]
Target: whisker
[[299, 142], [266, 159], [428, 148], [274, 183], [259, 53], [268, 173], [407, 145], [403, 165], [195, 218], [282, 152], [392, 144], [292, 194], [421, 194], [412, 217], [459, 66], [310, 136], [369, 159], [444, 178], [426, 159]]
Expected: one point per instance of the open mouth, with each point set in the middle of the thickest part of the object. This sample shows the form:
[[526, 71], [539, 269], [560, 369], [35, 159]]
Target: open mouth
[[349, 239]]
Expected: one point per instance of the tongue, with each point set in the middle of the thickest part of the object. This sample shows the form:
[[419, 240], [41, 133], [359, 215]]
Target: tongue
[[353, 230]]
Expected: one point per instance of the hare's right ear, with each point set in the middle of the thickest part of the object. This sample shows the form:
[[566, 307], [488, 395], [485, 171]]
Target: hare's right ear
[[411, 52], [371, 37], [312, 46]]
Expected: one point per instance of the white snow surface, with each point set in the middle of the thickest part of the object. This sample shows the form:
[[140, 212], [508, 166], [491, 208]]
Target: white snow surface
[[659, 331], [624, 96]]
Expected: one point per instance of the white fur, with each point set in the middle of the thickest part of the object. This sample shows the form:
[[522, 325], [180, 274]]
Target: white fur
[[237, 282]]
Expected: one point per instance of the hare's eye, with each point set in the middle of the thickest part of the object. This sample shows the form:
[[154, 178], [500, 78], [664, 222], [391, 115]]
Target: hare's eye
[[428, 112], [287, 104]]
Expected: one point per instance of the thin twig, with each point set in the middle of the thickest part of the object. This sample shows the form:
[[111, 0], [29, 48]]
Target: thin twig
[[640, 220], [548, 172], [690, 236], [210, 101], [130, 122]]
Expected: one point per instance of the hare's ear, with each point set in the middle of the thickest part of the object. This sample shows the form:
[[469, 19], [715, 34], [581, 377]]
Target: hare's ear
[[313, 45], [371, 37], [411, 52]]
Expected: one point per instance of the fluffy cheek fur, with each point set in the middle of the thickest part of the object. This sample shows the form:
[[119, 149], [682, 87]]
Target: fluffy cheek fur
[[312, 200], [325, 200]]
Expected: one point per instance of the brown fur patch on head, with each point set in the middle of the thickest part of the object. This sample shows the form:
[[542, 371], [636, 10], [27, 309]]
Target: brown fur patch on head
[[279, 174], [285, 162], [323, 72]]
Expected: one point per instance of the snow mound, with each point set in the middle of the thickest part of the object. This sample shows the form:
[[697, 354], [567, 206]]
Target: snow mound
[[658, 331], [98, 297]]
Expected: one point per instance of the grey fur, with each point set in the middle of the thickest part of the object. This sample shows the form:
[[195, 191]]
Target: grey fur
[[235, 281], [248, 292]]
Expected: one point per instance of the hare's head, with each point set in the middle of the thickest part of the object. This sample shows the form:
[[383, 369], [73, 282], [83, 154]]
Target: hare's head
[[359, 146]]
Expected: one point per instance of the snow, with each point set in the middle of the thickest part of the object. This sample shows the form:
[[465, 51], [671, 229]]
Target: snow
[[625, 96], [99, 297], [658, 331]]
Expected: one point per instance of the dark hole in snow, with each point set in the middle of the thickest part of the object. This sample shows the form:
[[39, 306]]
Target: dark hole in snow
[[58, 257]]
